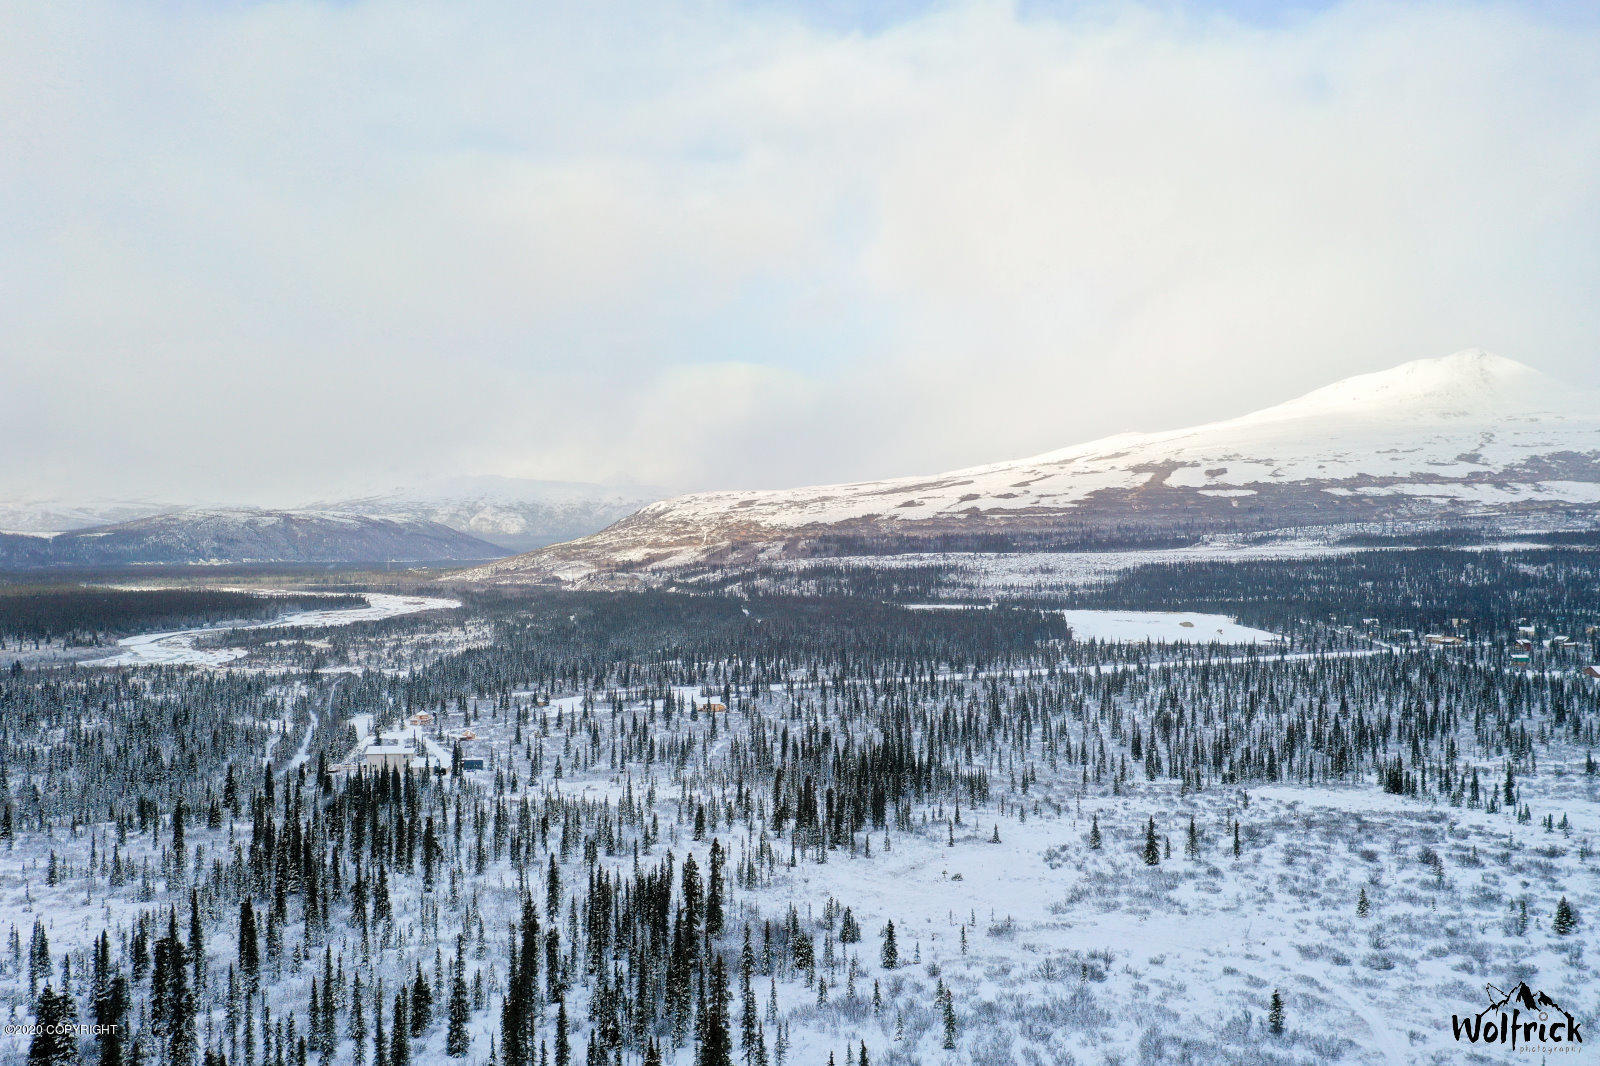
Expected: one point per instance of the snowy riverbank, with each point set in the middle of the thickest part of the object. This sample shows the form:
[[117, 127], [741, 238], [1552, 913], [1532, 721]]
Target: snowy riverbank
[[178, 647]]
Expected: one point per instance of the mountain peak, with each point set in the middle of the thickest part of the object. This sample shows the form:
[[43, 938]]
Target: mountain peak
[[1469, 437], [1471, 382]]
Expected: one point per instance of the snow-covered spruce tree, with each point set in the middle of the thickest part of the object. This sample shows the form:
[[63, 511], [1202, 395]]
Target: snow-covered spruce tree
[[716, 1040], [849, 928], [458, 1038], [421, 1004], [1565, 920], [54, 1042], [749, 1013]]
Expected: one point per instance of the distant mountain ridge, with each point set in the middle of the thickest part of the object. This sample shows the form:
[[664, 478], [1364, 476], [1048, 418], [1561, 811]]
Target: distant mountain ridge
[[1467, 436], [512, 514], [245, 536], [517, 514], [56, 516], [460, 519]]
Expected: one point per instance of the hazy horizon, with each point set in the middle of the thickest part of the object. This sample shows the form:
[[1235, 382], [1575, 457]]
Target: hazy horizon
[[271, 253]]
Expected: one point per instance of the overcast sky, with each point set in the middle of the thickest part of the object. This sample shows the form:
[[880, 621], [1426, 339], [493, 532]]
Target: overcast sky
[[270, 251]]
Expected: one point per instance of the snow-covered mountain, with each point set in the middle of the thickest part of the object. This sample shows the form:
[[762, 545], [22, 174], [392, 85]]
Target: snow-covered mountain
[[244, 536], [54, 516], [1469, 435], [517, 514]]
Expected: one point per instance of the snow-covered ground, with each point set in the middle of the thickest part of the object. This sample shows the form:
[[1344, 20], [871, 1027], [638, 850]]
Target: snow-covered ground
[[1177, 627], [179, 647], [1057, 952], [1000, 573], [1136, 627]]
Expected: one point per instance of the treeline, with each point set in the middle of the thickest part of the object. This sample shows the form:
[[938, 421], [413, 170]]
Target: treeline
[[1422, 589], [86, 615], [1110, 536], [550, 637]]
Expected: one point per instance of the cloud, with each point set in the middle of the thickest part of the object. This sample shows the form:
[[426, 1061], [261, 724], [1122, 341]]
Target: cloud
[[268, 250]]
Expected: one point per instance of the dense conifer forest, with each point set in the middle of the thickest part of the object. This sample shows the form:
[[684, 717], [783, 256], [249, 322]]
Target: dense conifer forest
[[661, 827], [31, 613]]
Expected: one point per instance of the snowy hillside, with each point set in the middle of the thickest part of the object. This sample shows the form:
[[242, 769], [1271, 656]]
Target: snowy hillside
[[244, 536], [518, 514], [55, 515], [1467, 434]]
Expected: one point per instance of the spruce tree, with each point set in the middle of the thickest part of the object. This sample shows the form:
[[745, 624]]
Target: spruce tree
[[249, 946], [849, 928], [111, 1012], [891, 951], [380, 1052], [358, 1020], [1275, 1014], [1566, 919], [421, 1004], [54, 1043], [197, 950], [714, 892], [1094, 833], [563, 1047], [1152, 847], [716, 1042], [457, 1040], [749, 1015], [400, 1040], [513, 1023]]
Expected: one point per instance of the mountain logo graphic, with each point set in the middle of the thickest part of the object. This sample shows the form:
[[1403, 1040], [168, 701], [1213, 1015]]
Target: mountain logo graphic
[[1521, 1018]]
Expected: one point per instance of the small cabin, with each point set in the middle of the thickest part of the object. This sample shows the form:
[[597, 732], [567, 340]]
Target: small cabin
[[420, 718], [1442, 638], [471, 763], [1591, 671]]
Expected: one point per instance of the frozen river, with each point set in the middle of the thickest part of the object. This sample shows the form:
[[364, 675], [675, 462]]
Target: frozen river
[[178, 647]]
